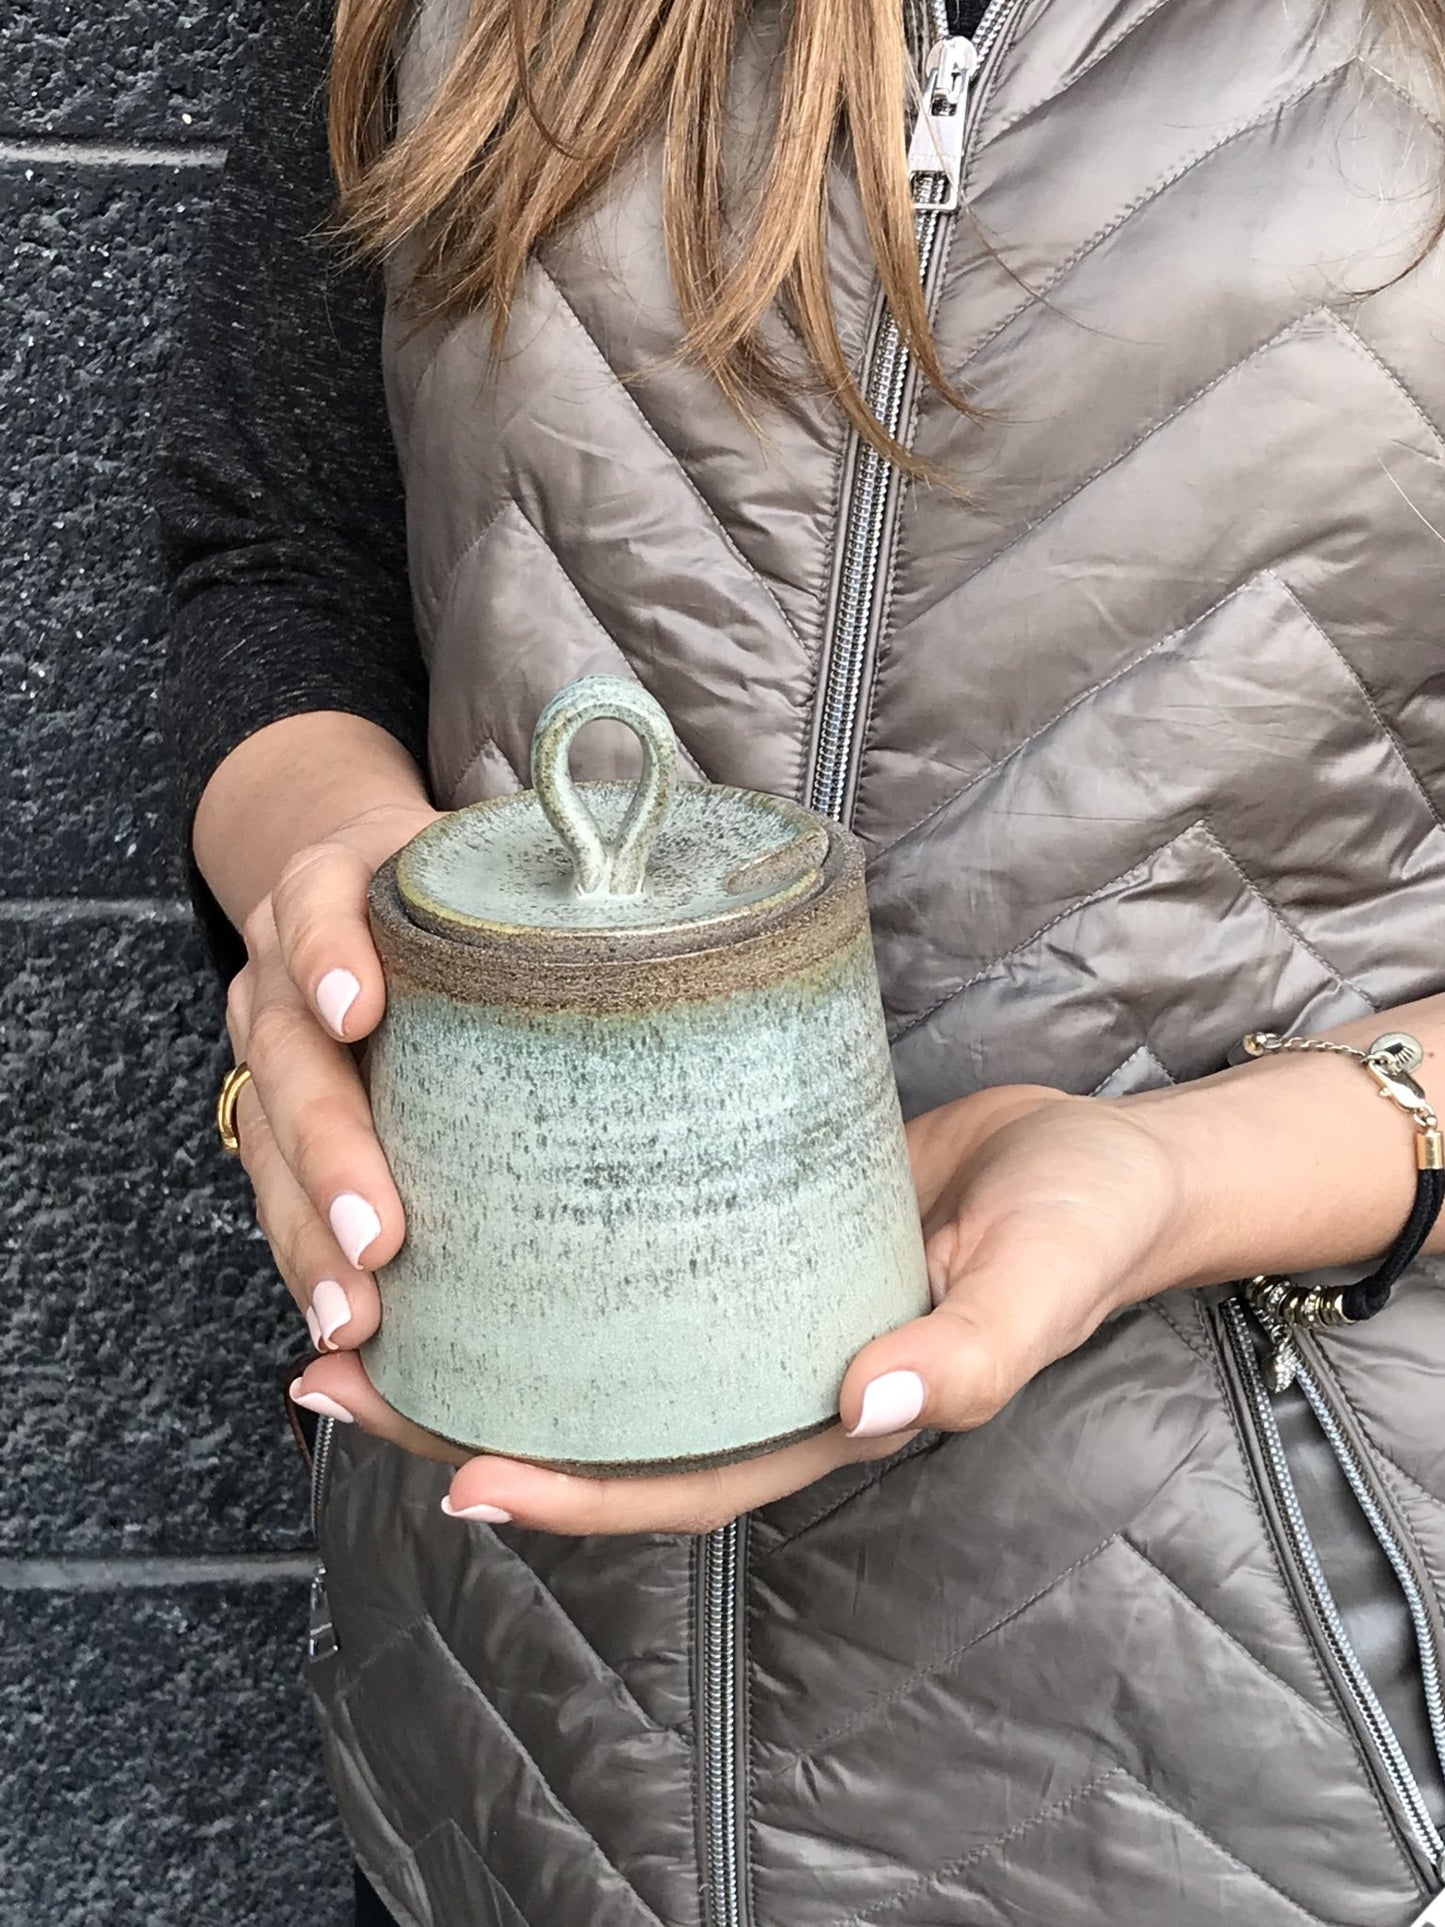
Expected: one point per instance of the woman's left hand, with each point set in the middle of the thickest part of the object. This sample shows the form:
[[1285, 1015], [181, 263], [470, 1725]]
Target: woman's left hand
[[1042, 1214]]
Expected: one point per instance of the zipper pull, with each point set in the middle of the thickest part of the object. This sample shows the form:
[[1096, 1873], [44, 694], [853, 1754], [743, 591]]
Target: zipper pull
[[1281, 1360], [320, 1633], [936, 144]]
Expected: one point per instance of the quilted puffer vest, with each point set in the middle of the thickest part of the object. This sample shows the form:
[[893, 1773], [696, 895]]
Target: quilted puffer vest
[[1146, 740]]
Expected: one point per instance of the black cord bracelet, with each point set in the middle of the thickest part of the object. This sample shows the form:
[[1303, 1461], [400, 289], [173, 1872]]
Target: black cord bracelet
[[1390, 1060]]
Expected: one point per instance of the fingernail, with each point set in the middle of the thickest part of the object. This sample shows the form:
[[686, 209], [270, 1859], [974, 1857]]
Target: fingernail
[[335, 994], [355, 1224], [319, 1403], [329, 1309], [890, 1404], [313, 1327], [491, 1515]]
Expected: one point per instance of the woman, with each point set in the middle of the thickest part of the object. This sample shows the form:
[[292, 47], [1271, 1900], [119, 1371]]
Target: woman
[[1099, 588]]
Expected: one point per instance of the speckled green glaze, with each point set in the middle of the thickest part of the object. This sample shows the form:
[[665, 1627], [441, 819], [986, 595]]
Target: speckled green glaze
[[654, 1173]]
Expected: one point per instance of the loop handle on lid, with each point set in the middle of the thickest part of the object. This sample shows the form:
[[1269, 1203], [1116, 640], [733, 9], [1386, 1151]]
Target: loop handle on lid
[[604, 868]]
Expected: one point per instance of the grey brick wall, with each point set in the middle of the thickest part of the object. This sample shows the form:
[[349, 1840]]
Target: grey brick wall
[[157, 1762]]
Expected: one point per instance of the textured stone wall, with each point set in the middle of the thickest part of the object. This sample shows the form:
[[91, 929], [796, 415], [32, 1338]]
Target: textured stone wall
[[157, 1763]]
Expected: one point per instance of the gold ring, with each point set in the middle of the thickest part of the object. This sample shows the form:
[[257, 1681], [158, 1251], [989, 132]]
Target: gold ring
[[236, 1080]]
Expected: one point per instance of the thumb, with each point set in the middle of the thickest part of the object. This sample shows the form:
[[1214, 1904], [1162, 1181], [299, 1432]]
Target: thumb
[[996, 1325]]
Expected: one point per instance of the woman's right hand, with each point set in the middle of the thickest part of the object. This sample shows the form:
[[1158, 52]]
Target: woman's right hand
[[311, 989]]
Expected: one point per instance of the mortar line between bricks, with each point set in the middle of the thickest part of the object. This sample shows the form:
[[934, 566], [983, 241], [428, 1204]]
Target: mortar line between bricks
[[104, 1574], [80, 909], [97, 153]]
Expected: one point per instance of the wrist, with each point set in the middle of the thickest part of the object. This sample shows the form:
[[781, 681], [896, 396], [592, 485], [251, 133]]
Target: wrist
[[1213, 1142], [1286, 1164], [295, 783]]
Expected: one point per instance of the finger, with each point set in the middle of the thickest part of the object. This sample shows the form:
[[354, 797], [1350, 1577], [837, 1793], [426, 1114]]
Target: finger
[[238, 1010], [319, 1115], [571, 1503], [341, 1305], [1017, 1302], [337, 1387], [319, 906]]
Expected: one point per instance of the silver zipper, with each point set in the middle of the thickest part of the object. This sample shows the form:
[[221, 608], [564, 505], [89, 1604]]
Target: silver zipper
[[721, 1575], [935, 159], [1360, 1699], [320, 1633]]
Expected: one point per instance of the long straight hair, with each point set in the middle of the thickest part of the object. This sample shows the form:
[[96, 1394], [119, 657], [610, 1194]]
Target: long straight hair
[[545, 97]]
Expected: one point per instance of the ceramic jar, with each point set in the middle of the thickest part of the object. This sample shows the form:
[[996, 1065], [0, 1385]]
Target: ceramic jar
[[635, 1090]]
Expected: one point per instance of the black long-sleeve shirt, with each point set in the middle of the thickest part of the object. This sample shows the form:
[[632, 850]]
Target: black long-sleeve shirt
[[282, 522]]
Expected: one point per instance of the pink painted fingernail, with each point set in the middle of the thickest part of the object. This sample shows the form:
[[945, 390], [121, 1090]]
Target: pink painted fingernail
[[313, 1327], [330, 1309], [335, 994], [890, 1404], [319, 1403], [491, 1515], [354, 1223]]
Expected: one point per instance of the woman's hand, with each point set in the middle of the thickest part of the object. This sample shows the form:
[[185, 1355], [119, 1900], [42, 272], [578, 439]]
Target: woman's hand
[[1042, 1213], [311, 988]]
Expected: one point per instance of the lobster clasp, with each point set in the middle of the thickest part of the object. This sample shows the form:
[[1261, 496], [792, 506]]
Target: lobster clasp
[[1397, 1083]]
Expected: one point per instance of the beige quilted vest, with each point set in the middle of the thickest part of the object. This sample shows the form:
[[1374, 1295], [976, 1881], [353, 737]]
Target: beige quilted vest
[[1147, 745]]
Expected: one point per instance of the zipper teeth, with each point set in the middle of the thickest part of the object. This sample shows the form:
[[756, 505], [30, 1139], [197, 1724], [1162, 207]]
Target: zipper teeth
[[862, 551], [1393, 1550], [721, 1577], [320, 1458], [1371, 1714], [873, 476]]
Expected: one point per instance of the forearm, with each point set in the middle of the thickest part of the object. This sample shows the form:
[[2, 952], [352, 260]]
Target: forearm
[[292, 784], [1294, 1162]]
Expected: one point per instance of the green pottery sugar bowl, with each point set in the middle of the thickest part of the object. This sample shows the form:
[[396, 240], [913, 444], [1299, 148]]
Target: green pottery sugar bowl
[[635, 1090]]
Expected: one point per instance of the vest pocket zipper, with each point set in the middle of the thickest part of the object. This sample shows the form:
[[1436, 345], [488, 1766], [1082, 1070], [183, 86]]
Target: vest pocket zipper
[[320, 1633], [1254, 1397]]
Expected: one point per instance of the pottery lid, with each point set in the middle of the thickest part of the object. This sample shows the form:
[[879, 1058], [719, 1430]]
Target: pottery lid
[[655, 860]]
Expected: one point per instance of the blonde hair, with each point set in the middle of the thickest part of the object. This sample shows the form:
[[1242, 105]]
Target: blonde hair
[[545, 97]]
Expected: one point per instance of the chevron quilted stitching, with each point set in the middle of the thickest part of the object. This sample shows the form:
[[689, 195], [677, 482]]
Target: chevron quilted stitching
[[1392, 375], [468, 1686], [1387, 729], [872, 1476], [487, 750], [1232, 1638], [1054, 1811], [1271, 111], [594, 351], [510, 1914], [1286, 923], [1430, 118], [1161, 1310], [1106, 49], [1139, 1052], [1193, 1826], [940, 1664], [876, 1708], [1291, 328], [1162, 643], [547, 1602], [445, 590], [1200, 826], [510, 511]]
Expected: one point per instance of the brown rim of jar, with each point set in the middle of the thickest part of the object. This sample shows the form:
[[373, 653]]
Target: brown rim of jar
[[595, 972]]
